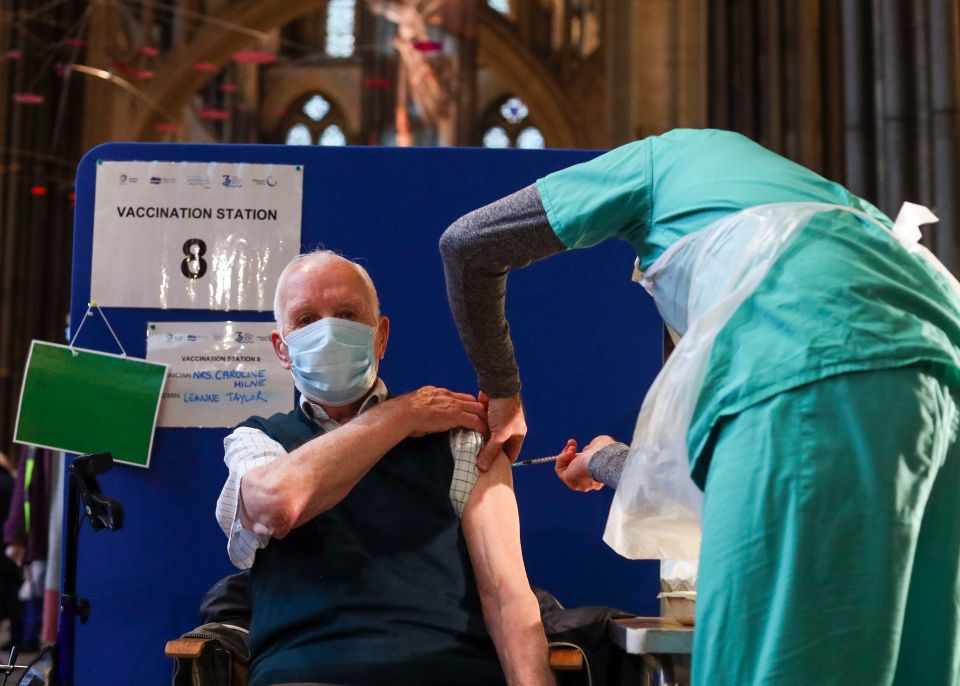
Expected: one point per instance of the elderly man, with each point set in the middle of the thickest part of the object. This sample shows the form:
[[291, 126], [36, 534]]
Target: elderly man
[[378, 553]]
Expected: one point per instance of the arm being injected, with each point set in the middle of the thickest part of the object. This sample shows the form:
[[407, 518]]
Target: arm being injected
[[478, 251]]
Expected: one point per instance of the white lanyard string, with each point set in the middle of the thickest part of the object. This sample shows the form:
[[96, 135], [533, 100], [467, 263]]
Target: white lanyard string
[[89, 313]]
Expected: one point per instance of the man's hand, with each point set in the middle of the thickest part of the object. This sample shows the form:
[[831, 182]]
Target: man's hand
[[573, 467], [508, 427], [431, 410]]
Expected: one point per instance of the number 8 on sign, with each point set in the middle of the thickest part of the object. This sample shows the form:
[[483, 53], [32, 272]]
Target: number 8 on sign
[[193, 265]]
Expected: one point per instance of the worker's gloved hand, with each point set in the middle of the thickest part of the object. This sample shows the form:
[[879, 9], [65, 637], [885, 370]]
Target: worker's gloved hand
[[573, 467], [508, 427]]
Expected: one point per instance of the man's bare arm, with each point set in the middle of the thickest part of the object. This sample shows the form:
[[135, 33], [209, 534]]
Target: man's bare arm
[[491, 526], [282, 495]]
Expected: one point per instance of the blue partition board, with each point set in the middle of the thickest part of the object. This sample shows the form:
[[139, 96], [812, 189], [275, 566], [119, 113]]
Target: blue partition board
[[588, 342]]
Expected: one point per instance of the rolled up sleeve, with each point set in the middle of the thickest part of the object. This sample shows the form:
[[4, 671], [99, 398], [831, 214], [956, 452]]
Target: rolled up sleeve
[[244, 449]]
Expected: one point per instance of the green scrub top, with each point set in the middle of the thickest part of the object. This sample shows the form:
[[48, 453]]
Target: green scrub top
[[844, 297]]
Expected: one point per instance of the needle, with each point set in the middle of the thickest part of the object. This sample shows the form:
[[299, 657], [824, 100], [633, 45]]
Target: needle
[[536, 460]]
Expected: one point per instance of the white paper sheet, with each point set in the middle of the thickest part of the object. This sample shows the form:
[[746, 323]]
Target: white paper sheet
[[220, 373]]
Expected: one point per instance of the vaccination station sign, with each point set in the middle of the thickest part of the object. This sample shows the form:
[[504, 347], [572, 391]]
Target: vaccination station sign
[[220, 372], [195, 235]]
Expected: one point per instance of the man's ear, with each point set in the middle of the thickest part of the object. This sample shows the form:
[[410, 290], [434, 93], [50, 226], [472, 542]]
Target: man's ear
[[382, 336], [280, 348]]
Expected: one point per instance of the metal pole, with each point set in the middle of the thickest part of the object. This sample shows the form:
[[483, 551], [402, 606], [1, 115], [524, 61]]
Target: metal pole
[[66, 631]]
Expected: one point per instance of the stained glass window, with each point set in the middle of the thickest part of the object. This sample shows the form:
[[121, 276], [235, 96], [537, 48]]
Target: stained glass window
[[316, 107], [501, 6], [316, 120], [333, 135], [340, 18], [530, 139], [298, 134], [496, 137], [509, 124], [514, 110]]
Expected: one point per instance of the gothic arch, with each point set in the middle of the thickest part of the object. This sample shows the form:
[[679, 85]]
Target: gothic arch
[[340, 85], [523, 74], [177, 81]]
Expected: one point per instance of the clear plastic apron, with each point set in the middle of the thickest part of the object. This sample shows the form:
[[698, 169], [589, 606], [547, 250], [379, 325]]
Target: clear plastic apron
[[697, 285]]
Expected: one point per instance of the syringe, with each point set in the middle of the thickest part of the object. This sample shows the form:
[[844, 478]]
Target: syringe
[[536, 460]]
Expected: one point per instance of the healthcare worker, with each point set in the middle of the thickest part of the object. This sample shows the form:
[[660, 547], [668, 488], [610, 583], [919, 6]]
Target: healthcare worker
[[812, 396]]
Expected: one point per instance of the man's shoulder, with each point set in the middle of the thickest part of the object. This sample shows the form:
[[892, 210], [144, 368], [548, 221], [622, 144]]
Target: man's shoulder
[[259, 422], [287, 428]]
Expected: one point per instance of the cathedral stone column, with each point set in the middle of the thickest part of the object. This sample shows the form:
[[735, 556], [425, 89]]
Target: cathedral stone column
[[656, 56]]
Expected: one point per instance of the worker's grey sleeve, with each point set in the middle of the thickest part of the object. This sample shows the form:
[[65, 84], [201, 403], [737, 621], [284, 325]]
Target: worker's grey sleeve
[[606, 465], [478, 250]]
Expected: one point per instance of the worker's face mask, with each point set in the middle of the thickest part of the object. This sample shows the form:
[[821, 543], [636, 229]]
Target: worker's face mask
[[332, 360]]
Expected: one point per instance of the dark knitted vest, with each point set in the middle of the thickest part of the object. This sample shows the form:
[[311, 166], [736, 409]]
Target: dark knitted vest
[[377, 590]]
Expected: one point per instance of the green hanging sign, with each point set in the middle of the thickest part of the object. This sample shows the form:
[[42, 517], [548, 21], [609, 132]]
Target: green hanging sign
[[84, 401]]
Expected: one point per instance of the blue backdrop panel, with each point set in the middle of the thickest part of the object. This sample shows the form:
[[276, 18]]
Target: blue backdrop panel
[[588, 342]]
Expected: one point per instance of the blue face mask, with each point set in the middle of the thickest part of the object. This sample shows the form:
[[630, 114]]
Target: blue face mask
[[332, 359]]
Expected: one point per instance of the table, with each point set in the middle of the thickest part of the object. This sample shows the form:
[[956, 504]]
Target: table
[[663, 644]]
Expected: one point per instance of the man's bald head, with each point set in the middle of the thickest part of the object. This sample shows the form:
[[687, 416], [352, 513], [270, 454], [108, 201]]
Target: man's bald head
[[310, 266]]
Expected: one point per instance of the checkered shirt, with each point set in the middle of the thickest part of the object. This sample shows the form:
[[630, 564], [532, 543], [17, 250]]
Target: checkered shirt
[[247, 448]]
